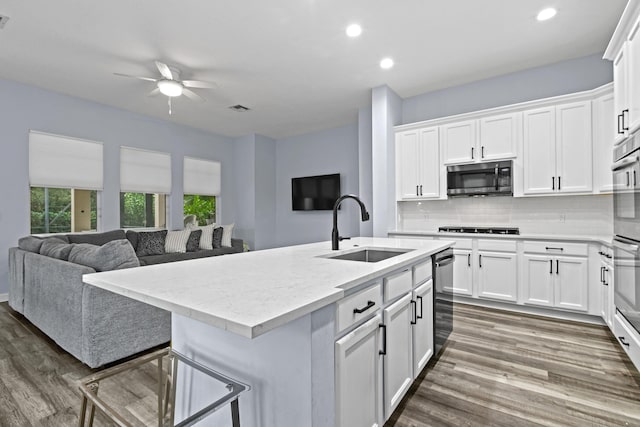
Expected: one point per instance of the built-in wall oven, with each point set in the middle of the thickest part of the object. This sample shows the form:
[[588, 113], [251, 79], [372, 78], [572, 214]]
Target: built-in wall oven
[[626, 228]]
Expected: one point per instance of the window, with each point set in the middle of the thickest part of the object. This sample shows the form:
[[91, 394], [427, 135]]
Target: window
[[203, 207], [63, 210], [138, 210]]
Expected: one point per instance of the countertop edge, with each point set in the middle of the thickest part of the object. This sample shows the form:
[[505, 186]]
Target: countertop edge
[[577, 238]]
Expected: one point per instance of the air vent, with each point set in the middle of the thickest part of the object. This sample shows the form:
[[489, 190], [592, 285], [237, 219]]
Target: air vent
[[239, 108], [3, 21]]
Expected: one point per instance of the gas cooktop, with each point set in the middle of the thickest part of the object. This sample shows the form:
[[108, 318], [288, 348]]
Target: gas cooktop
[[482, 230]]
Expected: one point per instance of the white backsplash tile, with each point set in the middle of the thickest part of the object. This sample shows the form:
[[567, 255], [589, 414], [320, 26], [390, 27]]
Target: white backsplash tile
[[568, 215]]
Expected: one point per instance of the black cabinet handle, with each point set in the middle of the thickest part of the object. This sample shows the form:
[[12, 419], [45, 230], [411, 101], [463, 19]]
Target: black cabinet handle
[[417, 192], [421, 312], [365, 308], [551, 248], [553, 182], [482, 152], [601, 274], [421, 189], [469, 260], [415, 312], [604, 282], [550, 266], [472, 153], [623, 112], [480, 260], [623, 341], [559, 183], [608, 256], [384, 340], [620, 132], [634, 178], [557, 267]]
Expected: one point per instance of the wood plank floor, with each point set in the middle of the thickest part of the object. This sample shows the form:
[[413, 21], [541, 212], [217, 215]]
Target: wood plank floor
[[504, 369], [497, 369]]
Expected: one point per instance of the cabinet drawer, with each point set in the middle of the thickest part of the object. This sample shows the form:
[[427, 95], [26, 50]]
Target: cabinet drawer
[[621, 330], [397, 284], [422, 272], [347, 308], [497, 245], [461, 243], [556, 248]]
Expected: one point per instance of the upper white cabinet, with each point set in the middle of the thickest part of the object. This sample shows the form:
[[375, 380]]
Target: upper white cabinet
[[418, 165], [632, 82], [500, 136], [604, 133], [459, 142], [558, 149], [620, 90]]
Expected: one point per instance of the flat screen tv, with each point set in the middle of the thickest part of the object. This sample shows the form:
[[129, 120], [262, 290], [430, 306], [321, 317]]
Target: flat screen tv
[[315, 193]]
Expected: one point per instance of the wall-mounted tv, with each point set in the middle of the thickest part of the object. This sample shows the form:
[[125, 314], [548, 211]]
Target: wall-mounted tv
[[315, 193]]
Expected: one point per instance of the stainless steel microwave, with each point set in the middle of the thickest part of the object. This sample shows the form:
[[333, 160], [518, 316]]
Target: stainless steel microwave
[[480, 179]]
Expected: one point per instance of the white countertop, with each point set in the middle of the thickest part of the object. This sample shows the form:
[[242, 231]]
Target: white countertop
[[605, 240], [254, 292]]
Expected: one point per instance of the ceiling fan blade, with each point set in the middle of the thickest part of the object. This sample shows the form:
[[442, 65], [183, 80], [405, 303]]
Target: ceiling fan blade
[[136, 77], [164, 70], [192, 95], [154, 92], [199, 84]]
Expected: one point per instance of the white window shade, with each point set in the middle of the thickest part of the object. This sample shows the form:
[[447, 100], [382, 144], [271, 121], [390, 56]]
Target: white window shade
[[64, 162], [201, 177], [143, 171]]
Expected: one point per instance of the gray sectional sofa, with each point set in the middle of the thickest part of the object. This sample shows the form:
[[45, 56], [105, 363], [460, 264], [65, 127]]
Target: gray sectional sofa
[[95, 326]]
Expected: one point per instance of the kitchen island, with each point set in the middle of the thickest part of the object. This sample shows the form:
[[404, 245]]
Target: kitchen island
[[274, 319]]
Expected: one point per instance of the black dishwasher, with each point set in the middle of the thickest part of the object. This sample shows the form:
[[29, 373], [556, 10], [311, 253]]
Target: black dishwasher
[[443, 299]]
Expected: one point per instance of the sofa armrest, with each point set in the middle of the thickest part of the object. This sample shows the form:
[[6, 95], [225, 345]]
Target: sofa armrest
[[237, 244], [16, 279]]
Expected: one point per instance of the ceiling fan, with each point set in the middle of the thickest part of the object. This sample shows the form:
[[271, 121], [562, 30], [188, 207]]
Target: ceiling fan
[[169, 84]]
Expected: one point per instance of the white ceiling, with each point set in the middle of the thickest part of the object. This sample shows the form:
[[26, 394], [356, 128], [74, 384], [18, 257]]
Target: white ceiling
[[288, 60]]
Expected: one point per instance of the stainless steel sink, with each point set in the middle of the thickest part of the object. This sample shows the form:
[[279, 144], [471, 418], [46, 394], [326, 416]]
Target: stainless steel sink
[[371, 255]]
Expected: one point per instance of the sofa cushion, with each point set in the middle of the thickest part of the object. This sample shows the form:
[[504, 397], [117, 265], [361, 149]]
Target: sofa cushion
[[217, 237], [161, 259], [193, 244], [113, 255], [30, 244], [151, 243], [98, 239], [56, 248], [132, 237], [226, 235], [176, 241]]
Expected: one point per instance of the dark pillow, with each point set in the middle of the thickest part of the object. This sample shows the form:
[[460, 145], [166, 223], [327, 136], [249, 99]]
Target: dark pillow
[[151, 243], [98, 239], [217, 237], [132, 237], [30, 244], [113, 255], [193, 244], [56, 248]]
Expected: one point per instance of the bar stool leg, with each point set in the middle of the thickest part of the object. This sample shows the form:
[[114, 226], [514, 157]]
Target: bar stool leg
[[83, 411], [160, 389], [92, 412], [235, 413]]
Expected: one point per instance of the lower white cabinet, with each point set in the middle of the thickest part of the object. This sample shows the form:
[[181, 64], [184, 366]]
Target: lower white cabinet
[[497, 275], [397, 349], [422, 326], [462, 273], [358, 377], [556, 281]]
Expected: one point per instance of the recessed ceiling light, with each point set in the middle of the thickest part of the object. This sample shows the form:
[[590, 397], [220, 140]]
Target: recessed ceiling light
[[547, 14], [386, 63], [354, 30]]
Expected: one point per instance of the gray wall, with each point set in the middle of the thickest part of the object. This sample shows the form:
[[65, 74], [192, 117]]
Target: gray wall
[[565, 77], [319, 153], [23, 108]]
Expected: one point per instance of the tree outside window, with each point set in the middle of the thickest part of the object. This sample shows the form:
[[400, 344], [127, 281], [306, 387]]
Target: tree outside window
[[203, 207]]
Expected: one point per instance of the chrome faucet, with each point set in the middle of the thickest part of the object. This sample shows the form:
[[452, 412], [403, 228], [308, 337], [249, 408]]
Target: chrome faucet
[[335, 236]]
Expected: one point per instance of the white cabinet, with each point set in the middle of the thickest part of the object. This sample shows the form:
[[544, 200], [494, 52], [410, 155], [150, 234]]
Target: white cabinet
[[620, 90], [632, 122], [423, 326], [604, 134], [497, 275], [538, 280], [558, 149], [571, 287], [459, 142], [607, 307], [500, 136], [418, 165], [358, 385], [462, 273], [398, 357]]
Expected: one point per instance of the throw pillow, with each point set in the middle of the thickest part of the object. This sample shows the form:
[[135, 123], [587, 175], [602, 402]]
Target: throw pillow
[[226, 234], [132, 237], [151, 243], [206, 239], [56, 248], [113, 255], [30, 244], [217, 237], [193, 244], [98, 239], [176, 241]]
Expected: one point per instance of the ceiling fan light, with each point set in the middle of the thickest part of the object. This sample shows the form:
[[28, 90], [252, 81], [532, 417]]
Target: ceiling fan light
[[170, 88]]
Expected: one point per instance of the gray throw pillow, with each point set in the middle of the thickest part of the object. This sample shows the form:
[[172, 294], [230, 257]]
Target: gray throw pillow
[[30, 244], [113, 255], [56, 248], [132, 237], [151, 243], [217, 237], [193, 244], [96, 238]]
